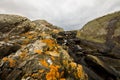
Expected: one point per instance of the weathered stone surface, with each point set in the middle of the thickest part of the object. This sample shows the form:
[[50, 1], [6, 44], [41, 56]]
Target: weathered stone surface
[[33, 54], [101, 36], [43, 51], [98, 65]]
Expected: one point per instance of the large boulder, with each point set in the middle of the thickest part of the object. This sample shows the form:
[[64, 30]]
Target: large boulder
[[34, 54]]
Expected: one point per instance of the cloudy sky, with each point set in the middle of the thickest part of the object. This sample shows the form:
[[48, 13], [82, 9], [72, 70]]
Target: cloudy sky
[[68, 14]]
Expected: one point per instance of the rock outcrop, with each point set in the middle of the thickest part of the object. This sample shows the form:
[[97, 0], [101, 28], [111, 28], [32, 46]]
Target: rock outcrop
[[103, 31], [102, 36], [28, 51]]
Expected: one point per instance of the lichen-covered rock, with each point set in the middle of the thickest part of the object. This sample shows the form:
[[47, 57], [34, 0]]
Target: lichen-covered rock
[[34, 54]]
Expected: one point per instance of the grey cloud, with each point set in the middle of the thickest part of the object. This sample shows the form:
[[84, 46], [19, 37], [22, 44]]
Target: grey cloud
[[69, 14]]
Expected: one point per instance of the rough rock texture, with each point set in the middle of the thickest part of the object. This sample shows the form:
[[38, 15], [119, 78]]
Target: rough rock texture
[[28, 51], [103, 31], [100, 38], [38, 50]]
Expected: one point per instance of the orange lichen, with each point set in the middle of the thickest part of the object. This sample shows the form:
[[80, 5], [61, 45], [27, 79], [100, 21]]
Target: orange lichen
[[30, 36], [38, 51], [62, 79], [79, 71], [52, 58], [54, 73], [10, 60], [44, 63], [5, 59], [50, 43]]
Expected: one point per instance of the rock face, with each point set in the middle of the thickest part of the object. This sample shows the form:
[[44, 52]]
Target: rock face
[[97, 65], [101, 39], [103, 31], [28, 51]]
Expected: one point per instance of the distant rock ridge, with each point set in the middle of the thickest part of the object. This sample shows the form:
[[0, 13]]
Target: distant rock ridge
[[104, 30]]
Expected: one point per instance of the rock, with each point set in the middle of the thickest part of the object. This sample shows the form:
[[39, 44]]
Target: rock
[[103, 33], [10, 23], [47, 27], [46, 24], [97, 63], [30, 52], [35, 50], [8, 48], [95, 47], [102, 36]]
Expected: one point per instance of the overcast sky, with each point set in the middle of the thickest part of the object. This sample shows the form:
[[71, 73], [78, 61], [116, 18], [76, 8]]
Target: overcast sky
[[68, 14]]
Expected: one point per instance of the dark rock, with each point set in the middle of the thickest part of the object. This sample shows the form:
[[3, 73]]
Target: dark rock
[[100, 66], [16, 74], [8, 48]]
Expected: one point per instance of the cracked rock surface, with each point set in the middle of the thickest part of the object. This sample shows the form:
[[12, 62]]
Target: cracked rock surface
[[29, 52]]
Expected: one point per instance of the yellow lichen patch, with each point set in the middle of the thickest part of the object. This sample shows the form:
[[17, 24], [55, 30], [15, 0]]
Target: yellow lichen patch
[[29, 33], [44, 63], [41, 71], [35, 75], [55, 31], [50, 43], [54, 73], [53, 53], [38, 51], [23, 54], [73, 65]]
